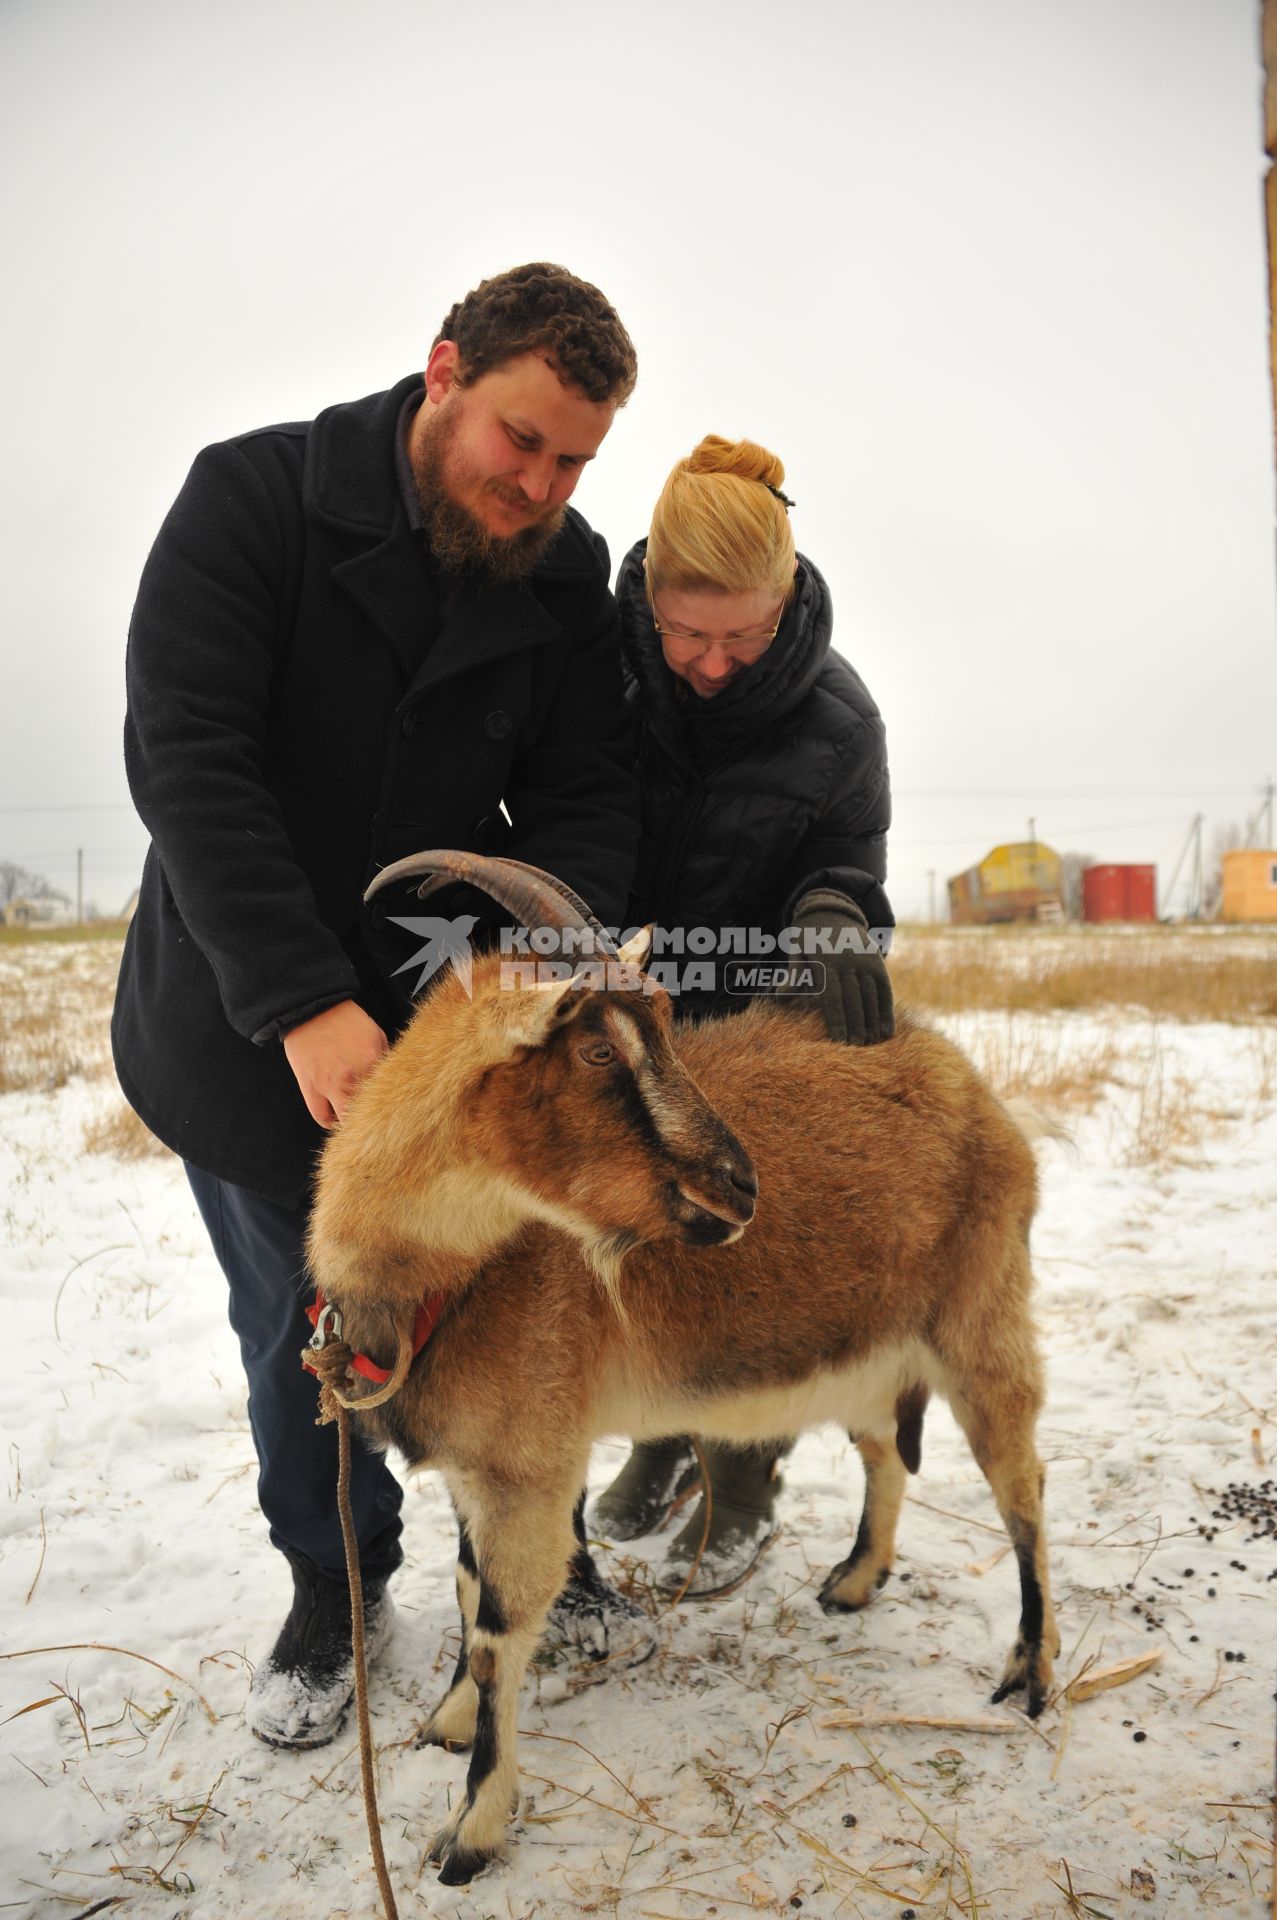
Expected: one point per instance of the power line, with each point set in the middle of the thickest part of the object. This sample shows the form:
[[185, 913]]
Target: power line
[[87, 806]]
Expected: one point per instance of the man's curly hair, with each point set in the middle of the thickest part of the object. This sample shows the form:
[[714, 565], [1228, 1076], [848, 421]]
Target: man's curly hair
[[544, 309]]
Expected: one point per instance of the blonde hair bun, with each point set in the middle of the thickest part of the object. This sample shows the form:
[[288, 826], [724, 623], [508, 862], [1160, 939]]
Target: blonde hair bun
[[719, 525], [743, 459]]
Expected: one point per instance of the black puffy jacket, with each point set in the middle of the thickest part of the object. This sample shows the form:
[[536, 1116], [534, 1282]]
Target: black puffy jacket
[[777, 783]]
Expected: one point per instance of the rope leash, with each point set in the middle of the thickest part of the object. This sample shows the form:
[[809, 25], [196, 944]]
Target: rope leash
[[331, 1361], [708, 1491]]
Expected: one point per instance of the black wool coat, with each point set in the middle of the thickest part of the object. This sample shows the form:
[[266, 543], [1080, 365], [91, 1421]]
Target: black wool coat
[[292, 727], [777, 784]]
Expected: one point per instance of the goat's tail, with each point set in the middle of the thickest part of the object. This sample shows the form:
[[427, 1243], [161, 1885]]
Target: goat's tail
[[1033, 1123]]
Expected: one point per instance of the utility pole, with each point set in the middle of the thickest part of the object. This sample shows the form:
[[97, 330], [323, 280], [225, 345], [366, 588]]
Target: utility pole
[[79, 886], [1262, 817], [1193, 905], [1268, 44], [931, 896], [1195, 902]]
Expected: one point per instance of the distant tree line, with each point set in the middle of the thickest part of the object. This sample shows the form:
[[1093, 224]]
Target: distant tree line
[[19, 883]]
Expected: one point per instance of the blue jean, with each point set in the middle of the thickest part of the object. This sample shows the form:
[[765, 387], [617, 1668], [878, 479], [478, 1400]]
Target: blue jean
[[260, 1247]]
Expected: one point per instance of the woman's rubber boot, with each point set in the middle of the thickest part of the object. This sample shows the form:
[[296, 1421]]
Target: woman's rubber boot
[[742, 1526], [656, 1480]]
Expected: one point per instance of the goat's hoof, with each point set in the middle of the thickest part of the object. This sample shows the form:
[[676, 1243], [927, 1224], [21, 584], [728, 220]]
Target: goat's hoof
[[459, 1861], [1030, 1668], [849, 1588], [1034, 1703], [461, 1865]]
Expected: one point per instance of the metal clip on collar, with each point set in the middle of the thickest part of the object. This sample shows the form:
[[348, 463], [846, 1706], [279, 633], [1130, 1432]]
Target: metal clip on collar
[[327, 1327]]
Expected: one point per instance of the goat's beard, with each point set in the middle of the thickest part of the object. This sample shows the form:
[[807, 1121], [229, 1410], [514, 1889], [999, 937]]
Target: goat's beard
[[459, 542]]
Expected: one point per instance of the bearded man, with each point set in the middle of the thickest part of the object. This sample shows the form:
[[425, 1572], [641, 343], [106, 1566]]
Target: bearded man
[[375, 632]]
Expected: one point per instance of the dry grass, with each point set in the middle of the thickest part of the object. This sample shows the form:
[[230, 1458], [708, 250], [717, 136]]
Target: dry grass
[[32, 1054], [111, 932], [1180, 973], [55, 1003], [1158, 1113], [119, 1132], [1018, 1058]]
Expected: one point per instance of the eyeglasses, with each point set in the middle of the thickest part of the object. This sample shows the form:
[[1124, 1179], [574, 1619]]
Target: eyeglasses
[[742, 645]]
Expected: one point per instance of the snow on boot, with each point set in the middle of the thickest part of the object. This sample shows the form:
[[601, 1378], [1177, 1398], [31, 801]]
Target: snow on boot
[[301, 1691], [742, 1523], [591, 1618], [652, 1485]]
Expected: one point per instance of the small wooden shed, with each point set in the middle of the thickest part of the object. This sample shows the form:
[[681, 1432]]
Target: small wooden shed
[[1020, 880], [1250, 884]]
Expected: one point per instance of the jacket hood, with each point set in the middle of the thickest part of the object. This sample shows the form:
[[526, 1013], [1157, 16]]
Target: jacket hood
[[756, 699]]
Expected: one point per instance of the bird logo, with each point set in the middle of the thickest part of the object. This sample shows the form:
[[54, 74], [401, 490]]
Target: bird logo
[[444, 940]]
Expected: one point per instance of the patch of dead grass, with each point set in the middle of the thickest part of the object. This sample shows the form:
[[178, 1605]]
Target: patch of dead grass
[[1020, 1061], [1166, 1118], [55, 1004], [33, 1054], [110, 932], [123, 1135], [1179, 973]]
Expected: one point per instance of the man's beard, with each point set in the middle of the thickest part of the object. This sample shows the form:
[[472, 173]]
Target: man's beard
[[459, 542]]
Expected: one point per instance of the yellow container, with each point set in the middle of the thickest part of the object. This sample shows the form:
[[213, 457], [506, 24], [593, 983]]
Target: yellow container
[[1250, 884]]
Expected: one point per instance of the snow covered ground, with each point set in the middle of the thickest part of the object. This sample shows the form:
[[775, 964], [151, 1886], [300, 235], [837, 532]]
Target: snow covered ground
[[137, 1586]]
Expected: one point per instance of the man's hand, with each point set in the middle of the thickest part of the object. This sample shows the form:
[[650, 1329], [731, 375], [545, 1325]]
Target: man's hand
[[856, 1001], [330, 1056]]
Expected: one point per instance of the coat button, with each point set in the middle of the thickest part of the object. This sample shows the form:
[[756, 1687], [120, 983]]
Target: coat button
[[411, 721], [498, 725]]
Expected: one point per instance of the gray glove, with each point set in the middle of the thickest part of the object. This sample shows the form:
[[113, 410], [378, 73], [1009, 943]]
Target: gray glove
[[856, 1001]]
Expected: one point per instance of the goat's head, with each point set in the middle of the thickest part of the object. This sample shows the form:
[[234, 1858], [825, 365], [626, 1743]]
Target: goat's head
[[568, 1094]]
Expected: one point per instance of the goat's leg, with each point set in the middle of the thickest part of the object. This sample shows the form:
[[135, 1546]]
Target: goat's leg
[[452, 1723], [522, 1545], [999, 1424], [855, 1580]]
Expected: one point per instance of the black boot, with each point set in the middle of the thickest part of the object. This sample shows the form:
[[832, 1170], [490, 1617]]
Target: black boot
[[300, 1693], [654, 1482]]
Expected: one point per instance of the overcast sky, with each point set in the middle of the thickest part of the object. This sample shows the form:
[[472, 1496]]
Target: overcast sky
[[988, 274]]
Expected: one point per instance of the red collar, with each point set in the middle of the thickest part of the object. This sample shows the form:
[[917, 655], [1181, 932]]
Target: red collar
[[427, 1320]]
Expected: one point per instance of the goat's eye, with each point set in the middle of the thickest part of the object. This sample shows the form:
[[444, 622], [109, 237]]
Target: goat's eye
[[598, 1054]]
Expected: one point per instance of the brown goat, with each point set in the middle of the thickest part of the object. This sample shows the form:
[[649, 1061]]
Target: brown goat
[[557, 1161]]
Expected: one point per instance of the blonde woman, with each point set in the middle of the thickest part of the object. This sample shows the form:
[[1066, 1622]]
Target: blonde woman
[[766, 804]]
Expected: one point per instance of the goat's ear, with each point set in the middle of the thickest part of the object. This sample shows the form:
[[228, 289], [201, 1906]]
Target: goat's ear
[[637, 948], [531, 1015]]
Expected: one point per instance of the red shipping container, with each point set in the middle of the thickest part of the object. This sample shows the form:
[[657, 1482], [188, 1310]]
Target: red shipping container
[[1119, 893]]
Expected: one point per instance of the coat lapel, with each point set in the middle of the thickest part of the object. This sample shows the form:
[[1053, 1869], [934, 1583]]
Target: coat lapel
[[386, 584], [483, 625]]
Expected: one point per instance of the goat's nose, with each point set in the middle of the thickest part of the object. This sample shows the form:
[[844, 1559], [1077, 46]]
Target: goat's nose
[[745, 1181]]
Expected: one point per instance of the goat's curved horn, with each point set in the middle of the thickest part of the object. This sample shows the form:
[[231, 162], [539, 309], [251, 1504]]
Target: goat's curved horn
[[534, 897], [571, 900]]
